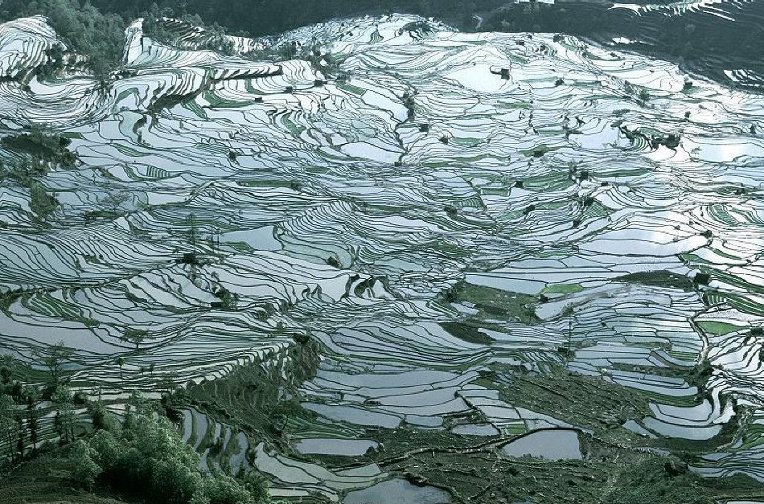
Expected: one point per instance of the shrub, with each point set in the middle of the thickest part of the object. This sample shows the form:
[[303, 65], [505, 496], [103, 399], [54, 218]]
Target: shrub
[[223, 490], [102, 419], [148, 458], [86, 470]]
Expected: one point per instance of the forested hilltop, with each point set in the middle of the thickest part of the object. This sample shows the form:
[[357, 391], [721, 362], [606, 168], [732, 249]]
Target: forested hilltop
[[96, 28], [267, 17], [720, 42]]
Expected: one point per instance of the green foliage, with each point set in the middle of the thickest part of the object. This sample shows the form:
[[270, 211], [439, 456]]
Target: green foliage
[[8, 432], [41, 203], [267, 17], [135, 336], [700, 374], [86, 470], [36, 151], [25, 171], [102, 419], [257, 486], [227, 299], [65, 421], [222, 490], [33, 424], [418, 27], [56, 62], [9, 385], [54, 358], [82, 27], [213, 37], [148, 459], [42, 146], [408, 102]]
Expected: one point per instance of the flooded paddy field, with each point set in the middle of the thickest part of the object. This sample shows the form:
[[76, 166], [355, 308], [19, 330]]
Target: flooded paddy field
[[720, 39], [462, 268]]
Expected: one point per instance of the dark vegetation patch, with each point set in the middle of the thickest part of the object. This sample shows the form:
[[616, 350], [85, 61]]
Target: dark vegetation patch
[[467, 332], [46, 479], [140, 457], [169, 101], [652, 138], [608, 474], [42, 146], [257, 400], [146, 458], [35, 152], [270, 17], [495, 303], [585, 401], [82, 27], [661, 278], [41, 202], [23, 171]]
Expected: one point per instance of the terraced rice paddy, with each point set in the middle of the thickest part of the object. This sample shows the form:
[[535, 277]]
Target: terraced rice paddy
[[464, 211]]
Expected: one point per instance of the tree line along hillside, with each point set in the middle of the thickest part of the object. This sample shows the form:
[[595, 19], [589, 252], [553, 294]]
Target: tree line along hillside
[[698, 40], [96, 27], [81, 25], [268, 17]]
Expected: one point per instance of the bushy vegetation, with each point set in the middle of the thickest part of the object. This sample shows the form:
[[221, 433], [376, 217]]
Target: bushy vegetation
[[81, 25], [146, 458], [19, 418], [141, 456], [36, 151], [42, 146]]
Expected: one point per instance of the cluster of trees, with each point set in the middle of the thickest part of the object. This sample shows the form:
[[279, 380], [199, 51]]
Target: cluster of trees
[[42, 145], [145, 457], [142, 455], [14, 431], [83, 27], [19, 416], [698, 38], [36, 151], [96, 27], [268, 17], [214, 38], [19, 404], [41, 202]]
